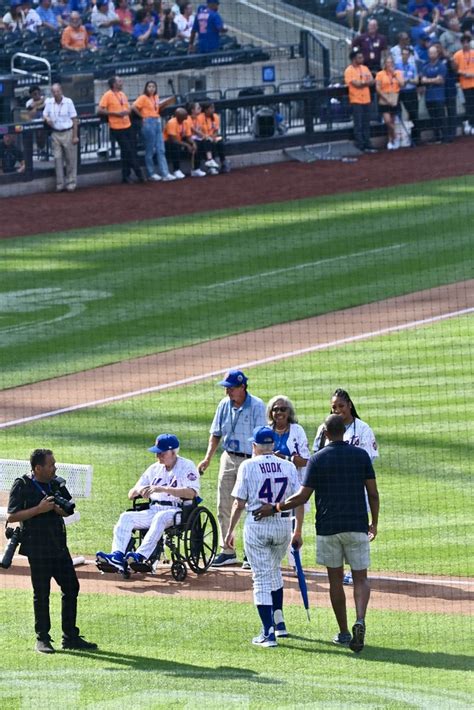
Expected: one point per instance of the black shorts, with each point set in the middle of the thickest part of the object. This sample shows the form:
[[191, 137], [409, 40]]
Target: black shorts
[[386, 108]]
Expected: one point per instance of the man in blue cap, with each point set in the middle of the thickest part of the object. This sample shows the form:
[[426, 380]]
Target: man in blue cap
[[166, 483], [208, 26], [236, 417]]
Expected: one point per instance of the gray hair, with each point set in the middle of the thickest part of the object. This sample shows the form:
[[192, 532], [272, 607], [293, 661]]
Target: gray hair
[[292, 418], [264, 448]]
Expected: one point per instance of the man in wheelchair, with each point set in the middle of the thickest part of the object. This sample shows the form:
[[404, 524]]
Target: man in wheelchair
[[166, 483]]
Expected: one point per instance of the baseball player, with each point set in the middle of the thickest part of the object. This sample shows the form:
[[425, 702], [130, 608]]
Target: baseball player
[[166, 482], [265, 478], [357, 433]]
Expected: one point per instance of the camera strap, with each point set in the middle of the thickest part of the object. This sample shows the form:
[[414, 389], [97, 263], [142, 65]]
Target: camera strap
[[40, 488]]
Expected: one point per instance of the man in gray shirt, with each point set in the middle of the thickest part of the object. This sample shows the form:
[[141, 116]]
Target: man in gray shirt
[[450, 40], [236, 417]]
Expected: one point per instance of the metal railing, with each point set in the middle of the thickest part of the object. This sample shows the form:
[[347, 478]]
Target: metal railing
[[34, 60], [316, 55]]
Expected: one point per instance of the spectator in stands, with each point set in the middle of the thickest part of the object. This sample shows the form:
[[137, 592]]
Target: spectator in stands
[[373, 46], [421, 50], [47, 15], [409, 92], [179, 143], [35, 107], [451, 38], [115, 107], [423, 10], [464, 61], [75, 37], [184, 22], [210, 125], [61, 116], [168, 29], [403, 43], [62, 9], [144, 27], [446, 9], [208, 27], [14, 19], [467, 21], [154, 8], [147, 107], [358, 79], [104, 18], [11, 157], [32, 19], [92, 39], [125, 16], [352, 9], [433, 78], [388, 83]]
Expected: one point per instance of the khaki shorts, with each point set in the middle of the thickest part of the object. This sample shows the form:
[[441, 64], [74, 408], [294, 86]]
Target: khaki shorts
[[350, 547]]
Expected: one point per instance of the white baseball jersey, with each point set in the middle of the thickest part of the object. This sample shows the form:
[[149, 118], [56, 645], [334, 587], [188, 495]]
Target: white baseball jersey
[[183, 475], [358, 433], [266, 479]]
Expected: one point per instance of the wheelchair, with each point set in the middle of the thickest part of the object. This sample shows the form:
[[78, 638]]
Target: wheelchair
[[191, 541]]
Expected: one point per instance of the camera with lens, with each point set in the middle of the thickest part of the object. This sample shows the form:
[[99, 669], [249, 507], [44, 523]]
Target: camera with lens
[[14, 536], [67, 506]]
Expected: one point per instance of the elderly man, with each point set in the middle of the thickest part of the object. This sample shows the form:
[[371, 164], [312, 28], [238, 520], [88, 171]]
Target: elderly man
[[373, 46], [75, 37], [115, 106], [237, 415], [265, 478], [61, 116], [339, 474], [166, 483]]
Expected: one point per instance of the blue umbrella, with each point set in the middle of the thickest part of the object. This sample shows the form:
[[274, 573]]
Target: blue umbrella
[[301, 581]]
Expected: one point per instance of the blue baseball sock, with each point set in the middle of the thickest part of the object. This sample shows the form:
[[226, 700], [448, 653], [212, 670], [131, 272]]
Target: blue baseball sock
[[266, 614]]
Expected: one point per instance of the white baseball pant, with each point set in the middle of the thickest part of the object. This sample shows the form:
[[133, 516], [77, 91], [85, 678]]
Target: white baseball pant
[[266, 542], [157, 518]]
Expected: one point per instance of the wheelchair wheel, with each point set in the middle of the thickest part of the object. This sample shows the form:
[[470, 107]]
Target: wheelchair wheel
[[200, 540], [179, 571]]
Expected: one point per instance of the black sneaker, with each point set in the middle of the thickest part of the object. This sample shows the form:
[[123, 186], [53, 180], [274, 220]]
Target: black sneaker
[[78, 643], [44, 646], [358, 634]]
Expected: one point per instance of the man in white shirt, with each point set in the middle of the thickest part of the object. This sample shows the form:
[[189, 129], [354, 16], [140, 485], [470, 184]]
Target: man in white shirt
[[61, 116], [104, 18], [184, 22]]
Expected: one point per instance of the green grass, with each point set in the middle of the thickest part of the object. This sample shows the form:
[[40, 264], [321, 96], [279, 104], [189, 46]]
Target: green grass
[[413, 387], [176, 653], [71, 301]]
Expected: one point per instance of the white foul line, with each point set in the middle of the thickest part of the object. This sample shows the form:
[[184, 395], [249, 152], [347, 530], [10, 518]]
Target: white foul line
[[245, 365], [306, 265]]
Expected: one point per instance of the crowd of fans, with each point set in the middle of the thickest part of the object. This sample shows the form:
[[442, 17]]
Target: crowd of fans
[[84, 24]]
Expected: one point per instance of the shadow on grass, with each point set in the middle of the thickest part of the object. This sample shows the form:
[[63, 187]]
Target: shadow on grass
[[172, 668], [398, 656]]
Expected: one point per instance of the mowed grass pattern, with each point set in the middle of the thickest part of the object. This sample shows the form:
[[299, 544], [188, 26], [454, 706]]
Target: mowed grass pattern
[[412, 387], [71, 301]]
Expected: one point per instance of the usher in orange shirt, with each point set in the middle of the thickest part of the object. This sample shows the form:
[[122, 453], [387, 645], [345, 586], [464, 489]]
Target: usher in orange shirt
[[149, 106], [209, 125], [180, 131], [387, 82], [358, 73], [116, 101], [465, 62]]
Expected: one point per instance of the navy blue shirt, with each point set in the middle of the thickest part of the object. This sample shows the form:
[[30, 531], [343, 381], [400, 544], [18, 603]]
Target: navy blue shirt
[[435, 92], [337, 473], [208, 24]]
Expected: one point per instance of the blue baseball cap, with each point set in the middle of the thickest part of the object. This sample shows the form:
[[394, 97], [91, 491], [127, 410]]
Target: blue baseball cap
[[234, 378], [164, 442], [263, 435]]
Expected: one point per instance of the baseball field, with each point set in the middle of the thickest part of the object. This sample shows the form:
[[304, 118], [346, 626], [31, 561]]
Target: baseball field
[[113, 331]]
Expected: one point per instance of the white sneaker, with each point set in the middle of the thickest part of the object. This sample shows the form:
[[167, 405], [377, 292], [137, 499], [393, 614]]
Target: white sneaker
[[467, 128], [213, 171], [390, 146], [211, 164], [396, 145], [198, 173], [179, 175], [169, 178], [472, 131], [155, 177]]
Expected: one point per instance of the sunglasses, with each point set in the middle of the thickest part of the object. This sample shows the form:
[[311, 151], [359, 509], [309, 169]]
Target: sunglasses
[[280, 409]]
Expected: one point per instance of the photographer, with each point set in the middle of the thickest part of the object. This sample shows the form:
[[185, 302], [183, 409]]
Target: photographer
[[39, 502]]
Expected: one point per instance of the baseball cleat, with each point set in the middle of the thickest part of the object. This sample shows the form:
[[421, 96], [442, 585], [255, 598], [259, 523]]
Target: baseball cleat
[[342, 639], [138, 562], [224, 559], [246, 565], [265, 641], [281, 631], [358, 635], [115, 561]]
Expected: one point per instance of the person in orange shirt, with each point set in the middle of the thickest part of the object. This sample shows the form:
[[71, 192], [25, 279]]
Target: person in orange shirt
[[179, 142], [115, 107], [464, 61], [388, 83], [203, 144], [75, 37], [358, 80], [147, 107], [210, 124]]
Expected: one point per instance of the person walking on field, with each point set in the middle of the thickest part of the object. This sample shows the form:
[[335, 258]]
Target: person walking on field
[[339, 474], [61, 116]]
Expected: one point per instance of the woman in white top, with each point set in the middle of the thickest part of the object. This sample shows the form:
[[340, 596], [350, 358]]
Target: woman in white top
[[357, 433]]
